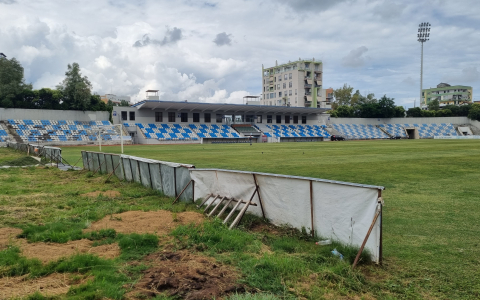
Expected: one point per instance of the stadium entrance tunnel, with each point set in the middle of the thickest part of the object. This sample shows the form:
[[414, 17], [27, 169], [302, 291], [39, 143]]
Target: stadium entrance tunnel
[[412, 133]]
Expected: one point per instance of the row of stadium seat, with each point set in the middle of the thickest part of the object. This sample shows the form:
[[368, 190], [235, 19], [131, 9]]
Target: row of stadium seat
[[61, 130], [360, 131], [186, 132], [293, 130], [424, 130]]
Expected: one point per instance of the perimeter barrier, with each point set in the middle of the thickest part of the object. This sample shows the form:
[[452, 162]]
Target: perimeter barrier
[[53, 154], [167, 177], [347, 212]]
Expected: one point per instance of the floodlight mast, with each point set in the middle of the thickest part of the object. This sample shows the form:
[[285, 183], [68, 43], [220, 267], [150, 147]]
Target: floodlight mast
[[423, 36]]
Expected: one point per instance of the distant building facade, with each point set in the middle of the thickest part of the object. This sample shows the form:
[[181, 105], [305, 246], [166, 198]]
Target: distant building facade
[[116, 100], [447, 94], [296, 84]]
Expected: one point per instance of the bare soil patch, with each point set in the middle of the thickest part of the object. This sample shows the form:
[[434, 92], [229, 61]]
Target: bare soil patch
[[19, 287], [109, 194], [157, 222], [186, 275], [7, 236], [47, 252]]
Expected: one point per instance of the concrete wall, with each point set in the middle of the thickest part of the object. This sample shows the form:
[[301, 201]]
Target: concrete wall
[[46, 114]]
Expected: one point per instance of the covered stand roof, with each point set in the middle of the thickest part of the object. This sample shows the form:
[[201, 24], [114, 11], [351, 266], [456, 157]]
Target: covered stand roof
[[226, 108]]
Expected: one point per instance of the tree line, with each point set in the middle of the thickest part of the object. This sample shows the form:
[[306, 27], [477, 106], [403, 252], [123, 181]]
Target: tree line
[[348, 105], [73, 93], [354, 105]]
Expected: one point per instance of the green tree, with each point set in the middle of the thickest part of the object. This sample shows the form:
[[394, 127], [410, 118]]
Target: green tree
[[434, 105], [399, 112], [343, 96], [474, 113], [414, 112], [386, 107], [75, 89], [124, 103], [443, 113], [343, 111], [367, 110], [12, 83], [48, 99]]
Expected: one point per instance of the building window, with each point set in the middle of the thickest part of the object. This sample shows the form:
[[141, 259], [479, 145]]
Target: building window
[[295, 91], [290, 76], [207, 118], [278, 86], [158, 116], [132, 116], [250, 118], [124, 116], [196, 117], [285, 77], [259, 118], [279, 94], [184, 117], [290, 92], [272, 95], [287, 119], [219, 118], [279, 119], [269, 118], [307, 65], [290, 84], [171, 117], [284, 85], [304, 119], [295, 119], [280, 78]]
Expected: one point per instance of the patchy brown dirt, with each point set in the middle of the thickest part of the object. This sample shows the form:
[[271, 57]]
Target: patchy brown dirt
[[19, 287], [186, 275], [158, 222], [109, 194], [47, 252], [7, 236]]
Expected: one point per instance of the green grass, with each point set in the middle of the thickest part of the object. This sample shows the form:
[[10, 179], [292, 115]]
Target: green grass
[[431, 217], [430, 220]]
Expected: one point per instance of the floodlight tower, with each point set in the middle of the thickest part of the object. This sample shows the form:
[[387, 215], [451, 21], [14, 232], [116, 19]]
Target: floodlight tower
[[423, 36]]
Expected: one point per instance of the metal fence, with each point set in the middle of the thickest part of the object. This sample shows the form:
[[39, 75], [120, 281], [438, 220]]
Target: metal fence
[[53, 154], [167, 177]]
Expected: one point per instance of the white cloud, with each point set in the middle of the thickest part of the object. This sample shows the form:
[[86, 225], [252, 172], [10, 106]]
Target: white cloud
[[179, 58]]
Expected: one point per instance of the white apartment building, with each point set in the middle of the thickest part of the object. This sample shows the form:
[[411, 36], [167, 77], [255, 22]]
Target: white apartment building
[[297, 84]]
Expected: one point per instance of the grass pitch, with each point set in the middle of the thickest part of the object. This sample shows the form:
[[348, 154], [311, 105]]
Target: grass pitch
[[431, 214]]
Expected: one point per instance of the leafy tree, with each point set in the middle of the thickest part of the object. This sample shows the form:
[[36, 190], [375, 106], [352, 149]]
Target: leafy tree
[[443, 113], [368, 110], [48, 99], [474, 112], [428, 113], [343, 111], [343, 95], [434, 105], [414, 112], [399, 112], [124, 103], [386, 107], [12, 84], [75, 89]]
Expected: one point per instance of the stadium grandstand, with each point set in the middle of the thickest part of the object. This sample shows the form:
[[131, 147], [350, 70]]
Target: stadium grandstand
[[166, 122]]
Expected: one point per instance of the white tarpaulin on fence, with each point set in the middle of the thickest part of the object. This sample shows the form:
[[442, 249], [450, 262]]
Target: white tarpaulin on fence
[[342, 211]]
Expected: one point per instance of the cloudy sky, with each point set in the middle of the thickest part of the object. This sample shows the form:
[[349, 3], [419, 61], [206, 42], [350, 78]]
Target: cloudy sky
[[213, 51]]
